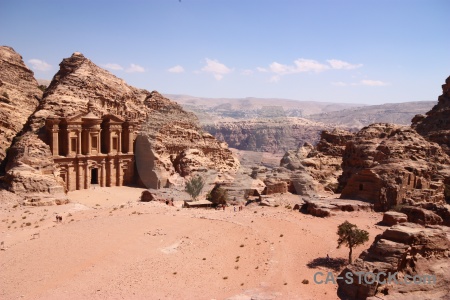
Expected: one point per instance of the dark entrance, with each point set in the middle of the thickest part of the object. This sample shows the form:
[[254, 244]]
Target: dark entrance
[[94, 176]]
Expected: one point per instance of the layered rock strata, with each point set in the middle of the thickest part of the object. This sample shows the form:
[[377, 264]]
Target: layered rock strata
[[169, 143], [435, 125], [268, 135], [19, 96], [388, 164], [322, 162]]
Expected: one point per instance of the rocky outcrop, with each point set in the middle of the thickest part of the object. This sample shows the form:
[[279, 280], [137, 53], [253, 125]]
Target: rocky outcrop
[[322, 162], [170, 143], [391, 218], [421, 216], [398, 255], [268, 135], [388, 164], [327, 207], [435, 125], [19, 96]]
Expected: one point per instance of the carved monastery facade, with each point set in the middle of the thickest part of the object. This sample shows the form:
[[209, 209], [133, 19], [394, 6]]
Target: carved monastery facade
[[91, 150]]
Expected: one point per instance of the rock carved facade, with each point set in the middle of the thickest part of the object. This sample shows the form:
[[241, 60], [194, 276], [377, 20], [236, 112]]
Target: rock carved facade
[[92, 150]]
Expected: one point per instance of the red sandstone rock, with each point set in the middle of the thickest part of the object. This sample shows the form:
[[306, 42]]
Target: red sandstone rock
[[404, 249], [19, 96], [171, 142], [389, 164], [391, 218]]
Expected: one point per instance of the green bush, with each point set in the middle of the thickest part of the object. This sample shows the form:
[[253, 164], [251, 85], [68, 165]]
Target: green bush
[[194, 186]]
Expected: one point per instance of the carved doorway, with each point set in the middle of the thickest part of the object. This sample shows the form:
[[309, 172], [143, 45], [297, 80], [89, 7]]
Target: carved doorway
[[94, 176]]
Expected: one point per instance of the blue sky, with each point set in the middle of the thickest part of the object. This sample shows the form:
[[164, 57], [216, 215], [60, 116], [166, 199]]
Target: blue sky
[[361, 51]]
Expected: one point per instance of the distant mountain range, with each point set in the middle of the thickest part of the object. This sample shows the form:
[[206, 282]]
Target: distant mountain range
[[275, 125], [213, 110]]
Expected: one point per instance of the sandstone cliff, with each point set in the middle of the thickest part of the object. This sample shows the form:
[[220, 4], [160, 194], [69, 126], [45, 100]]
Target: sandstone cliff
[[276, 134], [435, 126], [322, 162], [19, 96], [390, 164], [173, 142]]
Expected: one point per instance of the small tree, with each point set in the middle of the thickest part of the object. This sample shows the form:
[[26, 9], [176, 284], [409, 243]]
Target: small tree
[[351, 236], [194, 187]]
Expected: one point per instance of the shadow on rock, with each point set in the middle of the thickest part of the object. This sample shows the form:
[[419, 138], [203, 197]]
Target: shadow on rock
[[335, 264]]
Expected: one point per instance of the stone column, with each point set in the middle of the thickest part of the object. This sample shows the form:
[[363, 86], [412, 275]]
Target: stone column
[[55, 142], [68, 141], [68, 178], [119, 141], [79, 142], [110, 173], [130, 141], [119, 173], [86, 176], [103, 174], [89, 149], [80, 176]]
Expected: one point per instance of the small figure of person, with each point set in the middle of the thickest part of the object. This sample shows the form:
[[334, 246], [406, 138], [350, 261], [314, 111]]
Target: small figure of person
[[57, 219], [328, 258], [234, 207]]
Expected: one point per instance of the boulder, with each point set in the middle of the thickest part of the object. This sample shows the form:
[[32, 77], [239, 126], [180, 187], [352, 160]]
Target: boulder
[[391, 218], [421, 216]]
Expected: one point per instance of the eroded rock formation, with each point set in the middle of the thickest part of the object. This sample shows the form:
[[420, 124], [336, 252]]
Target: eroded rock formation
[[322, 162], [275, 134], [435, 125], [171, 143], [19, 96], [402, 251], [388, 164]]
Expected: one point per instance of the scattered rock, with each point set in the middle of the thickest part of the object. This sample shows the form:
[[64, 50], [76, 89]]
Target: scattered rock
[[391, 218]]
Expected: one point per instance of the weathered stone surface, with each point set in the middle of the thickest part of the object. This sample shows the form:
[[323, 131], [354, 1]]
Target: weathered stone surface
[[323, 162], [442, 210], [19, 96], [325, 207], [421, 216], [405, 249], [171, 144], [435, 126], [272, 134], [391, 218], [389, 164]]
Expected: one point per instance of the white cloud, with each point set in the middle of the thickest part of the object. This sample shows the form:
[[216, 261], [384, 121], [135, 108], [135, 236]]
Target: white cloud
[[303, 65], [309, 65], [373, 82], [300, 65], [342, 65], [176, 69], [39, 65], [263, 70], [216, 68], [339, 83], [113, 66], [135, 69]]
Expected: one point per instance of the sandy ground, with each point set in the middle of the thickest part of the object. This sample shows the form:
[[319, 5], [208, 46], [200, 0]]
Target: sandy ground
[[110, 246]]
